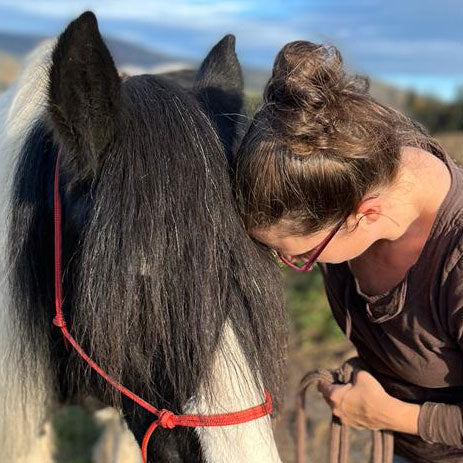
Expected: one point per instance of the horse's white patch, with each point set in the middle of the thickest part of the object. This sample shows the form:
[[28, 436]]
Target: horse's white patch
[[23, 395], [234, 389]]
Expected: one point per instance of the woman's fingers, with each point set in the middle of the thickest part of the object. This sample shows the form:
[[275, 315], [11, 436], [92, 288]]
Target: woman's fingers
[[334, 395]]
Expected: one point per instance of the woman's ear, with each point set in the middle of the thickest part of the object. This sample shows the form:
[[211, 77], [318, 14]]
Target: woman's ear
[[368, 211], [84, 94]]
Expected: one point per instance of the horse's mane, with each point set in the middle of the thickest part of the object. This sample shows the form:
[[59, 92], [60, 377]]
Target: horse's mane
[[156, 256]]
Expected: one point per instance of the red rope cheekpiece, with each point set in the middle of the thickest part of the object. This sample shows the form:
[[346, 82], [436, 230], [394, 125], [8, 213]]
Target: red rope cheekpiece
[[165, 418]]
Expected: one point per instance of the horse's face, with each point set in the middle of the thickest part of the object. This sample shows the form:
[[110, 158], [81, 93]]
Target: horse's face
[[148, 214]]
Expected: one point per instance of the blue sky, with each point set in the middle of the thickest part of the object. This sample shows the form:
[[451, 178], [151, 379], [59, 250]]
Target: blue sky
[[415, 43]]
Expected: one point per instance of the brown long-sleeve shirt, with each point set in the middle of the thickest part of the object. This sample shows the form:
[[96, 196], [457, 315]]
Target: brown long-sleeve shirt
[[412, 336]]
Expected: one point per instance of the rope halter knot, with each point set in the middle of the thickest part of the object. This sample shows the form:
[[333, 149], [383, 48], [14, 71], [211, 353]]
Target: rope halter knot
[[59, 322], [166, 419]]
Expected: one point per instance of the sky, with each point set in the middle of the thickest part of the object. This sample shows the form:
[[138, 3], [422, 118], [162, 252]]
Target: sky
[[412, 43]]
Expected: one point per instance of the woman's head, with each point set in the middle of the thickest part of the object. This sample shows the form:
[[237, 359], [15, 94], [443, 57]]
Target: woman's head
[[319, 146]]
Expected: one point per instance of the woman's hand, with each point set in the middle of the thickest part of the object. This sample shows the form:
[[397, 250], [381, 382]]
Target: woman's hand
[[365, 404]]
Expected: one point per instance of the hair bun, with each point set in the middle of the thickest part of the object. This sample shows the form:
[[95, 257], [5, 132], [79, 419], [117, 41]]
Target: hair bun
[[311, 76]]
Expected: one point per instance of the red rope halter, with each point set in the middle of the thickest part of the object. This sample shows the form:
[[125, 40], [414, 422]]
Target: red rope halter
[[165, 418]]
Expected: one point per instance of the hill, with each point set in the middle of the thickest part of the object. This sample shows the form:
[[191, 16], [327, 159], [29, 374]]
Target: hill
[[124, 53], [131, 58]]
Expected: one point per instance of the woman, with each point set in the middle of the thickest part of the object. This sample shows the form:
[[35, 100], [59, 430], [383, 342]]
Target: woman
[[327, 173]]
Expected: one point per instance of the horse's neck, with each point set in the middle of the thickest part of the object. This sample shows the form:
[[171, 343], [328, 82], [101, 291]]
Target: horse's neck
[[25, 391], [21, 106]]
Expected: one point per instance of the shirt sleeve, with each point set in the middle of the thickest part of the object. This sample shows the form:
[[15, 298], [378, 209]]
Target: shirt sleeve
[[439, 422]]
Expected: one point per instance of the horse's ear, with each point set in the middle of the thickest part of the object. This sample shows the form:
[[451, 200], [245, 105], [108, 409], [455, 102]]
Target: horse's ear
[[219, 87], [84, 94]]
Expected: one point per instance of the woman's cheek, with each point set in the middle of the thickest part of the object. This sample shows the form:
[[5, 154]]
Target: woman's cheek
[[342, 253]]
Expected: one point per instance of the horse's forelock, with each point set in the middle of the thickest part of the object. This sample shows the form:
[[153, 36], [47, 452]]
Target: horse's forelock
[[162, 259]]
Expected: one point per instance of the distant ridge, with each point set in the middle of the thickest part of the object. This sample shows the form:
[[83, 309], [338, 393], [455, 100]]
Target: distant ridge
[[124, 53], [17, 45], [131, 58]]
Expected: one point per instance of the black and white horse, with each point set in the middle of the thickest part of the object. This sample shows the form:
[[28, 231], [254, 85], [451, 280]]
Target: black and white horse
[[162, 286]]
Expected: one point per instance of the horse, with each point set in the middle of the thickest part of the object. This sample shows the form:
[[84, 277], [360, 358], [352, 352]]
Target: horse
[[162, 287]]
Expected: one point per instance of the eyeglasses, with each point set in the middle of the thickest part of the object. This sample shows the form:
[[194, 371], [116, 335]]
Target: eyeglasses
[[307, 266]]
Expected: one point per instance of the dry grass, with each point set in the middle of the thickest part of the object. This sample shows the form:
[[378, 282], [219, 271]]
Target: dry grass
[[9, 68], [453, 143]]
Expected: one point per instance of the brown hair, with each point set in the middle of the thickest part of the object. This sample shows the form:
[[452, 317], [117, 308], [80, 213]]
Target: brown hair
[[318, 144]]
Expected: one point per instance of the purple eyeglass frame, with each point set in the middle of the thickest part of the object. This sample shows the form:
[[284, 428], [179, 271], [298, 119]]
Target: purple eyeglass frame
[[307, 267]]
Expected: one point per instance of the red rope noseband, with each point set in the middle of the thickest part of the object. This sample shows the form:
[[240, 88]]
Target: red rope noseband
[[165, 418]]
